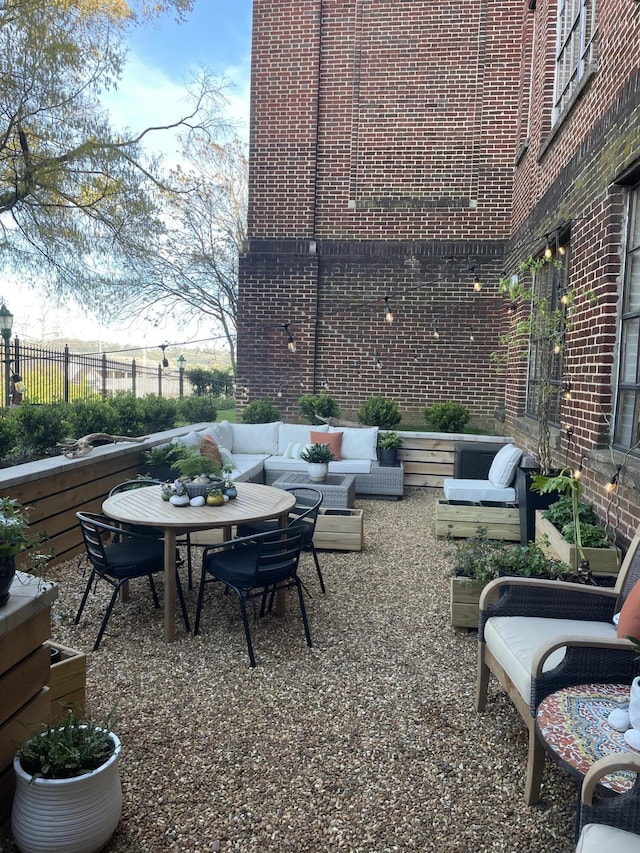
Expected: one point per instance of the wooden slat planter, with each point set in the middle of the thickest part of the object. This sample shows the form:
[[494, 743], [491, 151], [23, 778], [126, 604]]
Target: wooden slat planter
[[464, 602], [339, 529], [602, 561], [462, 521], [67, 681]]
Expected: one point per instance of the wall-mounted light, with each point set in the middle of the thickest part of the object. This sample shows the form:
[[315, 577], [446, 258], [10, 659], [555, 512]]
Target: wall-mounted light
[[388, 313]]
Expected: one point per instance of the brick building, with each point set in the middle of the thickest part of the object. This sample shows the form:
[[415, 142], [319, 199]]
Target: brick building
[[399, 151]]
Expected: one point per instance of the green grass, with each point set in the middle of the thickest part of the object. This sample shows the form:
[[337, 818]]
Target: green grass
[[226, 415]]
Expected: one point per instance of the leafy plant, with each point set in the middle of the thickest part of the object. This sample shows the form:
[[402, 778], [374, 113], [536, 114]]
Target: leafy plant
[[8, 434], [39, 427], [157, 413], [389, 440], [380, 412], [91, 415], [560, 513], [192, 464], [565, 484], [317, 453], [315, 407], [74, 748], [483, 560], [195, 410], [447, 416], [164, 454], [260, 412]]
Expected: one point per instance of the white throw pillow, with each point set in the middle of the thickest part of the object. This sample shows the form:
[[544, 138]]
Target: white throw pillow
[[255, 438], [358, 443], [294, 449], [191, 439], [503, 467], [224, 432], [296, 434]]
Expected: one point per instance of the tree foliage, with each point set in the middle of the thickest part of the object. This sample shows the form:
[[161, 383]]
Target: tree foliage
[[79, 201]]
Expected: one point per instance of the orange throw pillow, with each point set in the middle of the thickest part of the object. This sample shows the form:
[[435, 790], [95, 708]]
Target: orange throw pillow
[[629, 621], [333, 439], [209, 447]]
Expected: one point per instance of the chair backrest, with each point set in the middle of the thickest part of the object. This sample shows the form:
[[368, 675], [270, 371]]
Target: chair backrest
[[278, 556], [629, 572], [306, 507], [137, 483], [93, 532]]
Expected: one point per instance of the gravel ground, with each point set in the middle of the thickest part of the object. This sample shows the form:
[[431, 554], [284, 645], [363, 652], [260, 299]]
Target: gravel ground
[[368, 742]]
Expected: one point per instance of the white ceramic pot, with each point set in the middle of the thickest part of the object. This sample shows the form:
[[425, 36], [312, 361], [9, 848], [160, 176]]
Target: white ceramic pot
[[634, 704], [77, 815], [317, 471]]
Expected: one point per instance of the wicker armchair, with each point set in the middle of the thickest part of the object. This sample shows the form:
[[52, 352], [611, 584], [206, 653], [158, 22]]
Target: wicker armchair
[[542, 635], [606, 822]]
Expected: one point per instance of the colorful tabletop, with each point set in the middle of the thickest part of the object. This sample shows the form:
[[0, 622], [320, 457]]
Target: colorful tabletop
[[572, 724]]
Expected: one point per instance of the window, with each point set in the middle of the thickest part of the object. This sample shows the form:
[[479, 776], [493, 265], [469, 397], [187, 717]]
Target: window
[[627, 432], [575, 49], [544, 381]]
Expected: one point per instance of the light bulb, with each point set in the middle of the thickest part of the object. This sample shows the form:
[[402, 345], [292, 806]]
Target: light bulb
[[548, 253], [561, 250], [477, 285], [577, 473], [291, 345], [557, 348], [389, 316]]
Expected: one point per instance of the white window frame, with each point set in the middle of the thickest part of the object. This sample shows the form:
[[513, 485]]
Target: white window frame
[[575, 50]]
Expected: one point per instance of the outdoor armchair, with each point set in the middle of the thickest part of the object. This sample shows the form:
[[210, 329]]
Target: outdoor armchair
[[254, 567], [118, 555], [610, 822], [543, 635], [303, 516]]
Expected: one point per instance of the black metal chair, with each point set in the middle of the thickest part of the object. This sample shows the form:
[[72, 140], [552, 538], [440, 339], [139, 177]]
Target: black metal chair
[[253, 567], [117, 556], [303, 515]]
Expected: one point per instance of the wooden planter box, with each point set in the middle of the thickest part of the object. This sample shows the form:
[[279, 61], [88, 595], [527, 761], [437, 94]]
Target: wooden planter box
[[67, 681], [339, 529], [463, 520], [465, 599], [602, 561]]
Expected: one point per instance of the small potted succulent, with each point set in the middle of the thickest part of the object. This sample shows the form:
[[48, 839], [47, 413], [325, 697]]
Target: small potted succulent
[[228, 486], [317, 457], [389, 443], [68, 792]]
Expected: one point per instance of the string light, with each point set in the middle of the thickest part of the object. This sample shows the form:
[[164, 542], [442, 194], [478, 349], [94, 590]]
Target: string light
[[291, 344], [612, 485], [477, 284], [436, 333], [376, 361], [388, 312], [577, 472], [165, 360], [548, 251]]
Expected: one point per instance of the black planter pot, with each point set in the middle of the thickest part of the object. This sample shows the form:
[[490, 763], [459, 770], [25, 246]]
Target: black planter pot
[[164, 473], [388, 456], [7, 574]]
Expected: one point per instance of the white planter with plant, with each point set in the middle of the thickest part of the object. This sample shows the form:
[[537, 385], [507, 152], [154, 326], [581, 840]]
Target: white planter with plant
[[68, 794], [317, 457]]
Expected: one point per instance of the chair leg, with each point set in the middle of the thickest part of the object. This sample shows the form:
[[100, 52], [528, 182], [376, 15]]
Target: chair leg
[[247, 632], [535, 766], [189, 563], [482, 680], [183, 606], [196, 627], [303, 611], [85, 596], [156, 601], [315, 559], [103, 626]]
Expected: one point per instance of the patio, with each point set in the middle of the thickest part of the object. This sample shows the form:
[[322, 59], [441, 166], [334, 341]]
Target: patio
[[366, 742]]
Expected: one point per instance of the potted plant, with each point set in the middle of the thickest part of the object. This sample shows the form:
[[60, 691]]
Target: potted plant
[[478, 560], [161, 461], [389, 444], [16, 537], [68, 792], [569, 527], [198, 472], [317, 457]]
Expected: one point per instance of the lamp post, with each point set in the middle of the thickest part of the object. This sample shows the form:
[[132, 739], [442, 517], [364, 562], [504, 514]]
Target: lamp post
[[6, 324], [181, 363]]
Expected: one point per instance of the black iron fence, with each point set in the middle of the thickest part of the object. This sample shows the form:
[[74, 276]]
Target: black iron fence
[[51, 375]]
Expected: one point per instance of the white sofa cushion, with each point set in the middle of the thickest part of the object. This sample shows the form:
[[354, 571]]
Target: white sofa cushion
[[475, 491], [248, 466], [358, 443], [514, 641], [296, 434], [599, 838], [345, 466], [255, 438], [503, 467], [222, 432]]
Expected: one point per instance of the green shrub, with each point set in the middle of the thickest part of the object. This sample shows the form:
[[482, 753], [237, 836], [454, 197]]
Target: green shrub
[[157, 413], [92, 415], [380, 412], [260, 412], [446, 417], [129, 415], [560, 513], [196, 410], [40, 426], [315, 407], [7, 434]]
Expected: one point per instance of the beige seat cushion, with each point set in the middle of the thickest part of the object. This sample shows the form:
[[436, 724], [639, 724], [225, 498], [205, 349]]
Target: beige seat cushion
[[598, 838], [514, 641]]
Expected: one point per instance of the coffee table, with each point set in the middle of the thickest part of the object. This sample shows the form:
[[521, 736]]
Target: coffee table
[[338, 490], [572, 724]]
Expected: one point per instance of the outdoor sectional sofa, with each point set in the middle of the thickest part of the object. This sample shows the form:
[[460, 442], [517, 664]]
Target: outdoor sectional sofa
[[261, 453]]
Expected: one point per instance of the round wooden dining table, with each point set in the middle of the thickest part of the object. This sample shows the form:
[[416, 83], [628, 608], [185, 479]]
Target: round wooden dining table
[[145, 506]]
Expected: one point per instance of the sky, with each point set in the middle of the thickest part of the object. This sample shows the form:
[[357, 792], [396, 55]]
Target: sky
[[161, 59]]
